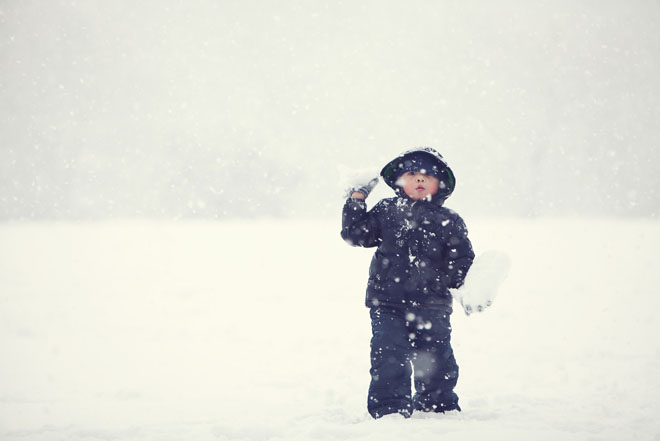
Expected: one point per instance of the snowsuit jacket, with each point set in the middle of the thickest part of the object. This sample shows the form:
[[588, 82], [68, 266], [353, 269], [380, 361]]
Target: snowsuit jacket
[[423, 250]]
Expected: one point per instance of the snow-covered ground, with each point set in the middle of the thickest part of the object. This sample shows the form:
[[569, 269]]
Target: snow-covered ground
[[257, 331]]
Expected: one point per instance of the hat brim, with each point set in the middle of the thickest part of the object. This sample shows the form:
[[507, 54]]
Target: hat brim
[[394, 168]]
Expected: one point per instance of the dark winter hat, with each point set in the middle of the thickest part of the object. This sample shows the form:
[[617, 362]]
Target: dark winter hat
[[424, 160]]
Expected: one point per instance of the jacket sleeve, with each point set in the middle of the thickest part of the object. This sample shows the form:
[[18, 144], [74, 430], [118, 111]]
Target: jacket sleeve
[[359, 227], [459, 253]]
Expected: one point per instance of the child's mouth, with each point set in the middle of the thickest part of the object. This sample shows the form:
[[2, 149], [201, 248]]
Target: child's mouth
[[420, 188]]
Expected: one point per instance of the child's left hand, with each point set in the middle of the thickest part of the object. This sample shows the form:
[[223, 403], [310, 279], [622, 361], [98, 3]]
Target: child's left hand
[[483, 281]]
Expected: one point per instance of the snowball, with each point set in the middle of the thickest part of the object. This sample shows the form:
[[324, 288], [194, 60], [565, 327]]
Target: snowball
[[483, 281]]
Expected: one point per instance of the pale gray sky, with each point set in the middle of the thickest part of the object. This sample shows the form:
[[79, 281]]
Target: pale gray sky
[[245, 108]]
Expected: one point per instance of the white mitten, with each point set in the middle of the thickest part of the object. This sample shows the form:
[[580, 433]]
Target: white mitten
[[482, 281], [362, 180]]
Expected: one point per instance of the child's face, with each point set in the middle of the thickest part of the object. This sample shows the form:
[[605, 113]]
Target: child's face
[[418, 185]]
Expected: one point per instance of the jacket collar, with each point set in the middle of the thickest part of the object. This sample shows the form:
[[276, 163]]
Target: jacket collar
[[404, 199]]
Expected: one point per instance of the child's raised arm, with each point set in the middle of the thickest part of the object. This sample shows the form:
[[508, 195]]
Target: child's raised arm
[[359, 227]]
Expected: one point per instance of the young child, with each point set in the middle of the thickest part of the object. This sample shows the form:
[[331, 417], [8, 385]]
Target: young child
[[423, 250]]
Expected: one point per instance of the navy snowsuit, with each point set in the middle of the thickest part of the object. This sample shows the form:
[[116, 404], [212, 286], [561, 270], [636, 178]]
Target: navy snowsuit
[[423, 250]]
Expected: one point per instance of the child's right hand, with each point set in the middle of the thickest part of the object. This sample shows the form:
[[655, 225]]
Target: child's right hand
[[362, 188], [357, 183]]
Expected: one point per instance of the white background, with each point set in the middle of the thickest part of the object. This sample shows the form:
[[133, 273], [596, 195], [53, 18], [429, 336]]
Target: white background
[[258, 331], [170, 260], [219, 109]]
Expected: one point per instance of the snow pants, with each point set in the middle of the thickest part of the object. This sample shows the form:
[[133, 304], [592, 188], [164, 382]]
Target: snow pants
[[416, 336]]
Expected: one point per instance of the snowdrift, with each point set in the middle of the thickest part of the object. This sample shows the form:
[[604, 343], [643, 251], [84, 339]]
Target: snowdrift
[[257, 331]]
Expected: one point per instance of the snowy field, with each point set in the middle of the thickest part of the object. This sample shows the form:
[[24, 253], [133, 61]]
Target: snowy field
[[257, 331]]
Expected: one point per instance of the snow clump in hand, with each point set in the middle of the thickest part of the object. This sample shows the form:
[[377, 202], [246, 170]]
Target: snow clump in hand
[[350, 179], [483, 281]]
